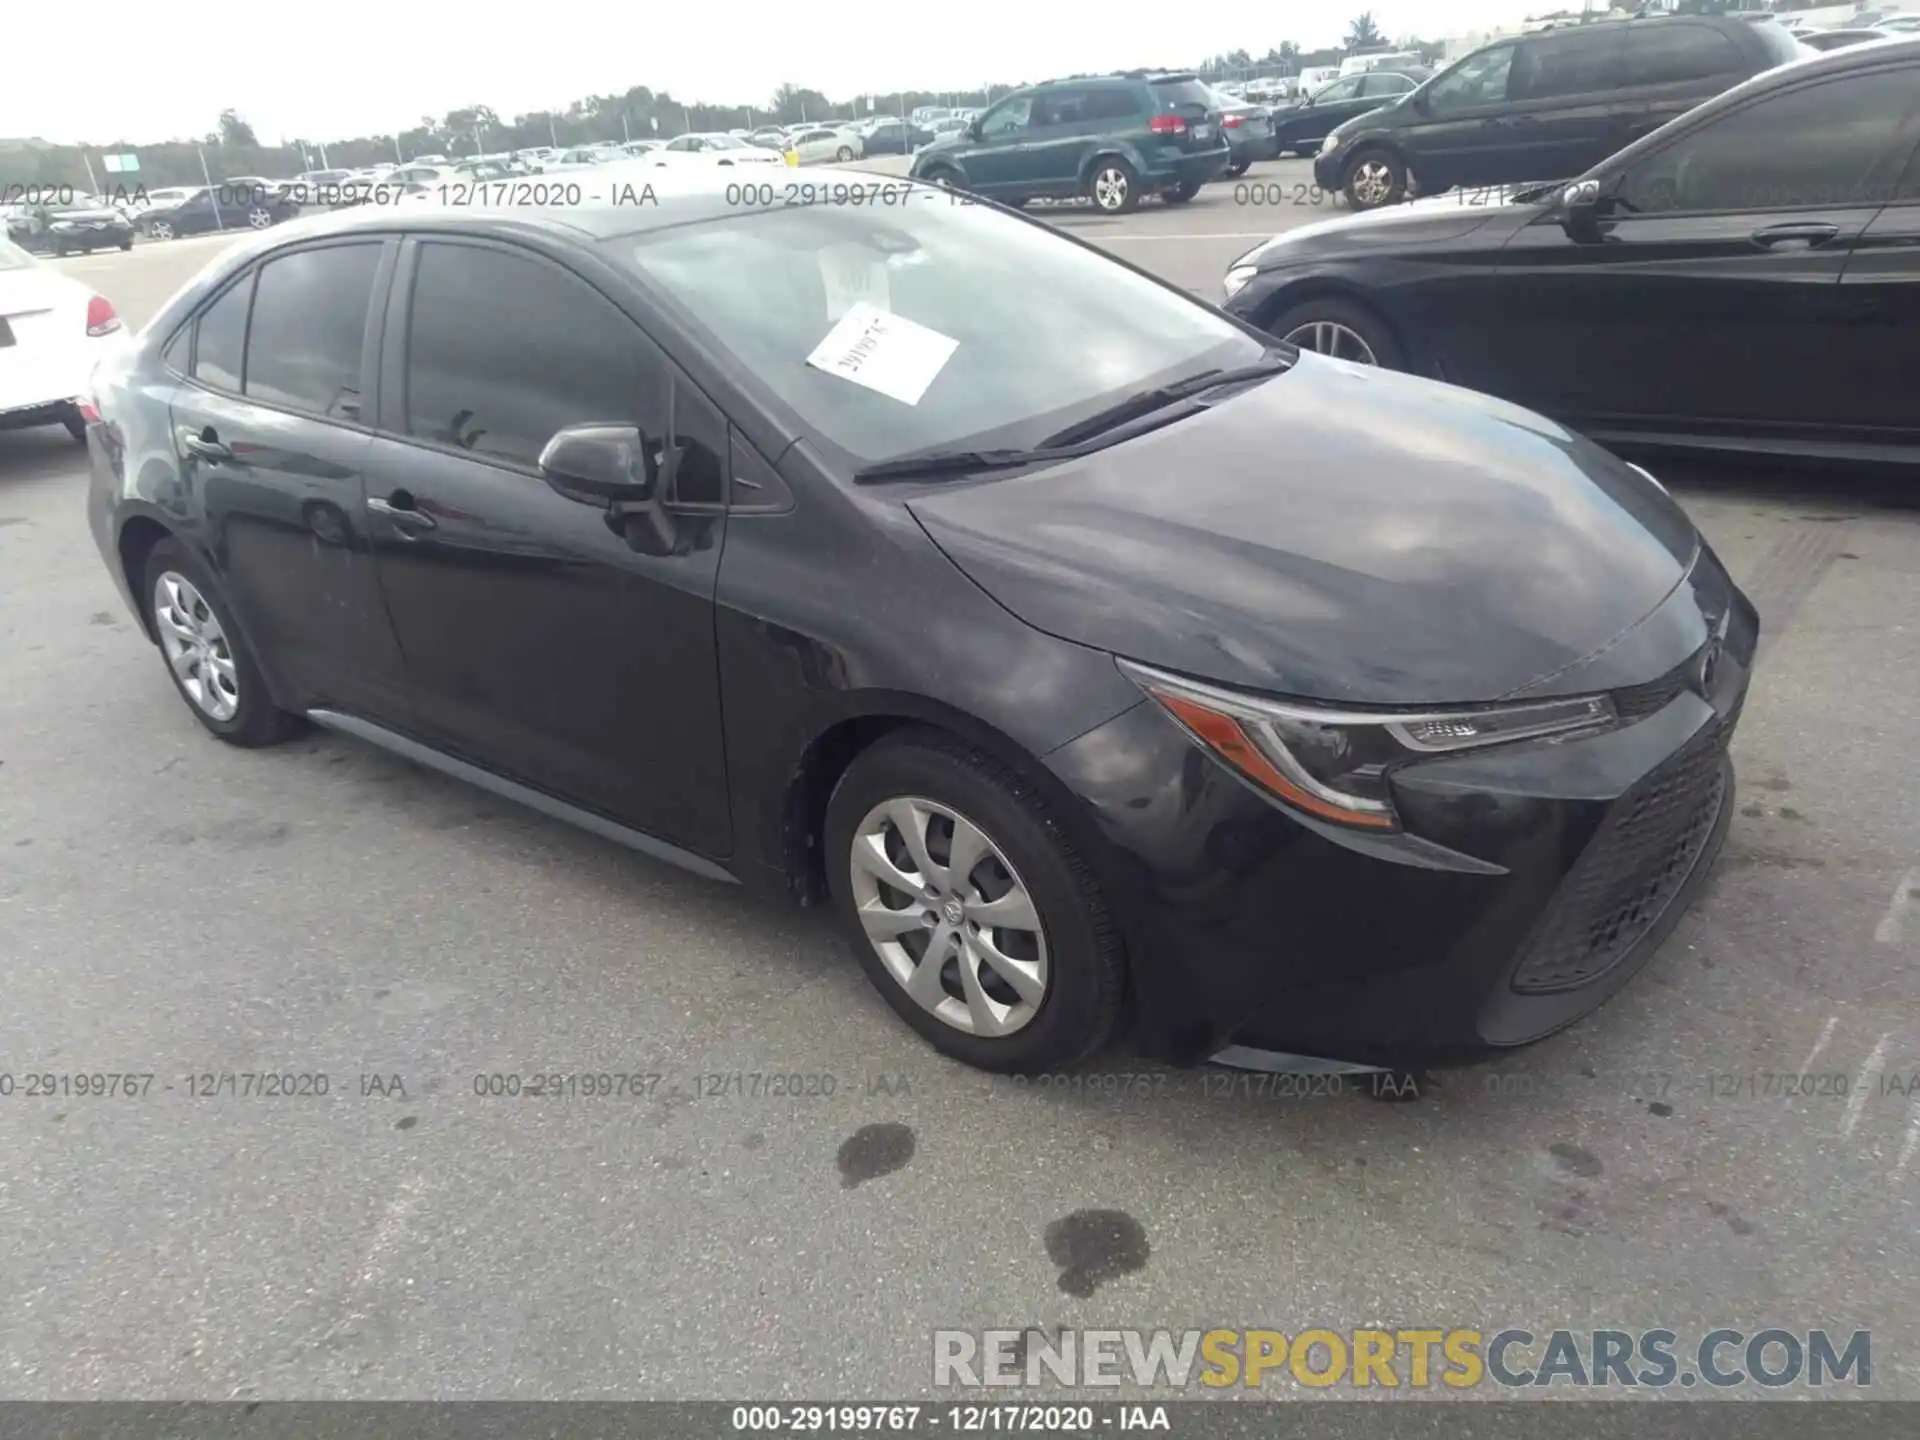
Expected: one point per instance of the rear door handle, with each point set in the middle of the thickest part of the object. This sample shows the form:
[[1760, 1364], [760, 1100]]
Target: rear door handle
[[203, 444], [400, 509], [1812, 234]]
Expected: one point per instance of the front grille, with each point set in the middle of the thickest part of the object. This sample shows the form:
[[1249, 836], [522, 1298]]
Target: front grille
[[1636, 702], [1630, 872]]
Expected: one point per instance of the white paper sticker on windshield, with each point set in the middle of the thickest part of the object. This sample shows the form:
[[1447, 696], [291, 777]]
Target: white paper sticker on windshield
[[853, 275], [884, 352]]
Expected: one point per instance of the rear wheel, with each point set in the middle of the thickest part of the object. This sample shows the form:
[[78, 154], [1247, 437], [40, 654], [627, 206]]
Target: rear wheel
[[127, 244], [206, 657], [1342, 329], [1180, 194], [843, 154], [969, 907], [1239, 167], [160, 230], [259, 218], [1114, 187]]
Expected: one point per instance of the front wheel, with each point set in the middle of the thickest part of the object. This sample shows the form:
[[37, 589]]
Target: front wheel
[[1114, 187], [160, 230], [969, 907], [259, 218], [209, 662], [1375, 178], [843, 154], [1329, 325]]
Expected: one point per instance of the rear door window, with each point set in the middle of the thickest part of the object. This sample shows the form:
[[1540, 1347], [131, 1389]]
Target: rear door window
[[220, 351], [1059, 107], [1672, 51], [309, 321]]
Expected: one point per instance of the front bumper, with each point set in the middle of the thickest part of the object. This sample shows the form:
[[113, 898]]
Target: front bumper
[[1550, 873], [1330, 169]]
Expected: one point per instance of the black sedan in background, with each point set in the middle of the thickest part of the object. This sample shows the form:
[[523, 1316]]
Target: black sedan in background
[[1302, 127], [1415, 743], [69, 227], [1747, 278], [245, 206]]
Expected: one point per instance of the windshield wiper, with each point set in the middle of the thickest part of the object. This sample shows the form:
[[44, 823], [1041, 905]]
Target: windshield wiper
[[948, 462], [1145, 402]]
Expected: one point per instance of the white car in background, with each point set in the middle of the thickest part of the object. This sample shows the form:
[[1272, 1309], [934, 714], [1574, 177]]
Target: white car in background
[[584, 157], [53, 331], [710, 149], [826, 145]]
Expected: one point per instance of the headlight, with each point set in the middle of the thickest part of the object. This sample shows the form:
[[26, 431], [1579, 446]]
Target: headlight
[[1330, 144], [1238, 277], [1334, 764]]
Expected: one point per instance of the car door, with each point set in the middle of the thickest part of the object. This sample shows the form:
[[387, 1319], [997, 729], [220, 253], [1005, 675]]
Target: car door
[[1706, 290], [1671, 65], [1452, 138], [1057, 134], [271, 436], [995, 162], [1325, 109], [545, 639], [1872, 377], [1565, 111]]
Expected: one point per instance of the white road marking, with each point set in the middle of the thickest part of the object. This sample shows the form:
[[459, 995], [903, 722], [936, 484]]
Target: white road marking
[[1857, 1093], [1912, 1142], [1826, 1034], [1893, 924]]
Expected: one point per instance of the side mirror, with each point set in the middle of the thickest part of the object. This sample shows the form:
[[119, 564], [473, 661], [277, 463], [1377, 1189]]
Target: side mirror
[[1580, 200], [604, 465], [973, 129]]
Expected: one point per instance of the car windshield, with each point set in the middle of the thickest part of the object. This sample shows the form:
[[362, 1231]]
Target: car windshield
[[1013, 330]]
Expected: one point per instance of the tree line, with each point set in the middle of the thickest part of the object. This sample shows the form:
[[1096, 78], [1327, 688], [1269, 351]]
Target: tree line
[[232, 148]]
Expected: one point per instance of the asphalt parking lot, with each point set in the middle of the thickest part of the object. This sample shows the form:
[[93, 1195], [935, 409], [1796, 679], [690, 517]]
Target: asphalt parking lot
[[173, 906]]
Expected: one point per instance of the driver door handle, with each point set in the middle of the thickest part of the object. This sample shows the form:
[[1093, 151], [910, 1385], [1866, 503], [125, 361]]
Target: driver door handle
[[401, 510], [1812, 234]]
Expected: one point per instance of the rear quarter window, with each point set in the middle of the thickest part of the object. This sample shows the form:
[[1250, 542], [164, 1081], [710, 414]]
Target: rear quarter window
[[1182, 92]]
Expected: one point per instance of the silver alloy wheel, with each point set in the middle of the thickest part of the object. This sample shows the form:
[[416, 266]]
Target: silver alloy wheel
[[1110, 187], [1330, 337], [1372, 182], [195, 645], [259, 218], [948, 916], [843, 154], [160, 230]]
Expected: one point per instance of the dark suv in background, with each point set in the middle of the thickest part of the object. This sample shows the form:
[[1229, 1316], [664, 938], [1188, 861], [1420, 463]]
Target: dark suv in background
[[1545, 106], [1111, 138]]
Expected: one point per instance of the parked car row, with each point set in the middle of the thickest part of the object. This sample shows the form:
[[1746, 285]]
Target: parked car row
[[1746, 277]]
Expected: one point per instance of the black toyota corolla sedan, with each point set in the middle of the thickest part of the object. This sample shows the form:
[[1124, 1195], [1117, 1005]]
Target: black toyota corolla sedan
[[1103, 662], [1745, 278]]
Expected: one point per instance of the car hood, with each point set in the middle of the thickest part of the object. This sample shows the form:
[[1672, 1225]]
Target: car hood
[[1436, 218], [1338, 532]]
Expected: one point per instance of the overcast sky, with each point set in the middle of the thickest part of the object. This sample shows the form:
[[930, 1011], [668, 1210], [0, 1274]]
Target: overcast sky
[[131, 68]]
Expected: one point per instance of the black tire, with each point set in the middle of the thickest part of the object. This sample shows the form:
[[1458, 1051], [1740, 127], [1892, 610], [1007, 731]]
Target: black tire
[[945, 177], [256, 720], [1239, 168], [1367, 162], [843, 154], [1181, 194], [1121, 186], [1086, 963], [127, 244], [1388, 353], [77, 428]]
